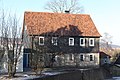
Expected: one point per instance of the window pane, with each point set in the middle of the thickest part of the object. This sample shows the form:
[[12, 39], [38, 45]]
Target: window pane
[[41, 40], [71, 41], [54, 40], [71, 57], [82, 41], [81, 58], [91, 57], [91, 42]]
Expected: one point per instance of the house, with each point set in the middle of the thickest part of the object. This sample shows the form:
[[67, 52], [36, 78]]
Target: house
[[104, 58], [64, 39]]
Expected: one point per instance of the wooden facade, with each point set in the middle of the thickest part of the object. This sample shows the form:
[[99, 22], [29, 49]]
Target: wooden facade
[[63, 44]]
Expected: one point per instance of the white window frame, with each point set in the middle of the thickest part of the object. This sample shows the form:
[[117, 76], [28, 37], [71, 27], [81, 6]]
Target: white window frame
[[83, 42], [71, 44], [83, 57], [54, 42], [92, 57], [41, 37], [90, 41]]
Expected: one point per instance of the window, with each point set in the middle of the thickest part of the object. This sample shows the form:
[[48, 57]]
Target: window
[[71, 41], [54, 40], [41, 58], [82, 41], [71, 57], [91, 41], [81, 57], [91, 57], [53, 57], [41, 40]]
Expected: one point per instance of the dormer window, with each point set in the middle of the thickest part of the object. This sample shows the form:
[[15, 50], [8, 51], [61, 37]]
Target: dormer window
[[71, 41], [91, 41], [41, 40], [82, 41], [54, 40]]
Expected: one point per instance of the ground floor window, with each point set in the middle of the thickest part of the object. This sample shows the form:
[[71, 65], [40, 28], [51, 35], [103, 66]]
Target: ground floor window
[[82, 57], [91, 57], [71, 57]]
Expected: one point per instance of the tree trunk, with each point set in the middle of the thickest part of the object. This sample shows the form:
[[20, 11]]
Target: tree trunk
[[14, 70], [10, 69]]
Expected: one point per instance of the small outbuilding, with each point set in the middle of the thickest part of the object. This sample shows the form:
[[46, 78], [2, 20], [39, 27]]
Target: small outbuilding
[[104, 58]]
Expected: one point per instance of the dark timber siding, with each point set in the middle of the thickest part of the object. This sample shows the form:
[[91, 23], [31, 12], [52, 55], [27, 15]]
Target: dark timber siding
[[63, 45]]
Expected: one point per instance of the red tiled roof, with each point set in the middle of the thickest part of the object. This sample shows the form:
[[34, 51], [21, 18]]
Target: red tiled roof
[[38, 23]]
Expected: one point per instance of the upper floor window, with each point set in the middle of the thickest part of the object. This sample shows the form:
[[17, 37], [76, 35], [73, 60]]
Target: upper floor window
[[91, 41], [82, 41], [54, 40], [41, 40], [91, 57], [82, 57], [71, 41]]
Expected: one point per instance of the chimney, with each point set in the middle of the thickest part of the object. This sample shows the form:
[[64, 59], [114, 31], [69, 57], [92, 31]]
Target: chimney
[[67, 11]]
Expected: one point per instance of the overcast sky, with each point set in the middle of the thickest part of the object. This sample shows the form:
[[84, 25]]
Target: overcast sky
[[104, 13]]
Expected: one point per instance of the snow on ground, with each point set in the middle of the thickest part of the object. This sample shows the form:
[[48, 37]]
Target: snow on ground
[[52, 73], [19, 77], [24, 76], [116, 78]]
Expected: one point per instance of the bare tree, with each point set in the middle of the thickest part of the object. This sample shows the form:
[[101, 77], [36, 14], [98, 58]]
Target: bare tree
[[11, 42], [38, 58], [36, 55], [106, 42], [61, 6]]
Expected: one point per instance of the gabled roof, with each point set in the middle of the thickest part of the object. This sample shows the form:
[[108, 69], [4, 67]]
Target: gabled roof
[[104, 55], [38, 23]]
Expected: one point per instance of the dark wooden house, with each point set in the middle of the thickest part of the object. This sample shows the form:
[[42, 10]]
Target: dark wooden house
[[104, 58], [63, 38]]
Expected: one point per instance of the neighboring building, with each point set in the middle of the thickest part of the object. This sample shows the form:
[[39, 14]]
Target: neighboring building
[[104, 58], [67, 39]]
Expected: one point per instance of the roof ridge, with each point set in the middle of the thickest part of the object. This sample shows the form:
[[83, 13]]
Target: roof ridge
[[55, 13]]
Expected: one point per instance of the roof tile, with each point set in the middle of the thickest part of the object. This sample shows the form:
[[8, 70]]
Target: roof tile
[[59, 24]]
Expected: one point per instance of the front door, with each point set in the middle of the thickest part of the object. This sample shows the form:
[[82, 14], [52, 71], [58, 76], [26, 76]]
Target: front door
[[26, 60]]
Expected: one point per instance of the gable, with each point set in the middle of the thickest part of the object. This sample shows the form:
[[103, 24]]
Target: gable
[[39, 23]]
